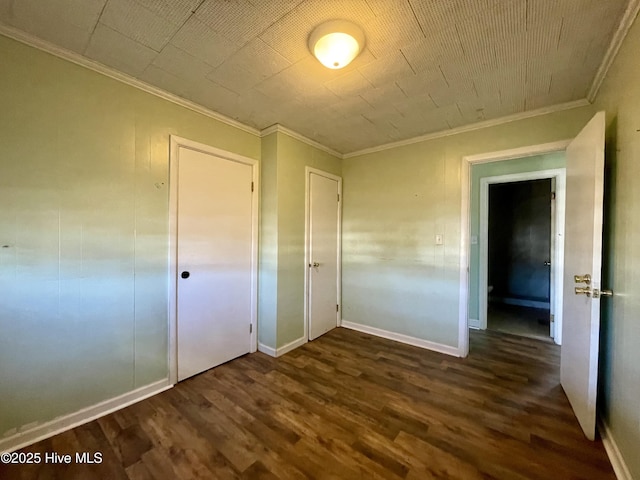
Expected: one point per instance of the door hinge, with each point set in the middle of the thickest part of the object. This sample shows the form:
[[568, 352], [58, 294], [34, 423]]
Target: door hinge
[[251, 328], [553, 195], [252, 186], [337, 308], [338, 197]]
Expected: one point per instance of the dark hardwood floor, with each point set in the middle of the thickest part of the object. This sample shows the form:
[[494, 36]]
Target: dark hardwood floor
[[347, 406]]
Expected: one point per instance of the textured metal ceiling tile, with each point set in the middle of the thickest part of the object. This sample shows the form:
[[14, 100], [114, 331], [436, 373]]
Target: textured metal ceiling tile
[[197, 39], [427, 65], [176, 11], [136, 22], [289, 36], [118, 51], [238, 20], [67, 23], [181, 64], [275, 9], [348, 85]]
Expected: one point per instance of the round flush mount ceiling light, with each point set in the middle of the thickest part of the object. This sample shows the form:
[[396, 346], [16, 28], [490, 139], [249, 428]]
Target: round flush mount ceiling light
[[336, 43]]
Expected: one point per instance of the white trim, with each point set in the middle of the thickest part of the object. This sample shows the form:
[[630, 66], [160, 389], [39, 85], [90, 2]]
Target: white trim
[[85, 62], [290, 346], [266, 349], [557, 246], [471, 127], [175, 144], [67, 422], [307, 244], [474, 323], [465, 222], [465, 255], [620, 34], [298, 136], [399, 337], [278, 352], [520, 152], [620, 467]]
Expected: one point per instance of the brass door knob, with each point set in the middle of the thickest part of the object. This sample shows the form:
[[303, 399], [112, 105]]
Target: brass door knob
[[583, 291]]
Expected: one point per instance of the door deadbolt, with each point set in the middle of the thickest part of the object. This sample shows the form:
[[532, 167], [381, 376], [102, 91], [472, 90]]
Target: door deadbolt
[[185, 274], [582, 279]]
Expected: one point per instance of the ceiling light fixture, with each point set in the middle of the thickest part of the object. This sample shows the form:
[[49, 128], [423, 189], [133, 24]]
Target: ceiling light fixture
[[336, 43]]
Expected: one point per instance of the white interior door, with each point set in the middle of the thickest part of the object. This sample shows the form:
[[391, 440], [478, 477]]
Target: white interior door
[[583, 256], [214, 261], [323, 254], [552, 262]]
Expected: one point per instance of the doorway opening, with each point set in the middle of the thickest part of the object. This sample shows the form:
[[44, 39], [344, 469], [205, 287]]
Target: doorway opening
[[519, 258], [521, 254]]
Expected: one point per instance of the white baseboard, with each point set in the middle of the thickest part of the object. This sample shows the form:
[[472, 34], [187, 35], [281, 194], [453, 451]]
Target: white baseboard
[[266, 349], [615, 457], [290, 346], [35, 433], [278, 352], [399, 337], [474, 323]]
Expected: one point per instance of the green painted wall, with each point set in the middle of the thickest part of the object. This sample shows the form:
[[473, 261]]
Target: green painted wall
[[283, 195], [268, 270], [395, 201], [84, 218], [619, 96], [493, 169]]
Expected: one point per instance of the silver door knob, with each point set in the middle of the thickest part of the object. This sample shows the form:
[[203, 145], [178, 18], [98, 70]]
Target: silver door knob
[[547, 264], [316, 264]]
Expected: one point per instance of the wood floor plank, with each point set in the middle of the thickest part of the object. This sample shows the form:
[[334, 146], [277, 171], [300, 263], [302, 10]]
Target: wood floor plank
[[347, 406]]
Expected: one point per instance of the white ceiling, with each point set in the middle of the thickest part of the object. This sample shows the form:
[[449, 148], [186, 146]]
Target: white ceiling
[[428, 65]]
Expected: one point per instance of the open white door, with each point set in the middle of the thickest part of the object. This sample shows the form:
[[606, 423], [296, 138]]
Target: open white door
[[582, 272]]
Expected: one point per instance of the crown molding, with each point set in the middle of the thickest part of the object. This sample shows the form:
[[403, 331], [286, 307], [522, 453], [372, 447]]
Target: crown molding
[[471, 127], [628, 18], [298, 136], [78, 59]]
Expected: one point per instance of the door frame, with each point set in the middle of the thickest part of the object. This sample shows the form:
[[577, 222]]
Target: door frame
[[175, 143], [465, 221], [557, 242], [307, 245]]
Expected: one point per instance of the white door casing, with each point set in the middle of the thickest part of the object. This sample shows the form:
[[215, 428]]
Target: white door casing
[[322, 252], [214, 239], [465, 223], [583, 240]]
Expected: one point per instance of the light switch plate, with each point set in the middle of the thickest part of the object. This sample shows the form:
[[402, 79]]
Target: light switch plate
[[438, 239]]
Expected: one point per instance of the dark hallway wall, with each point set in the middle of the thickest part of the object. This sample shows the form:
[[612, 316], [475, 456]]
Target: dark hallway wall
[[520, 239]]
